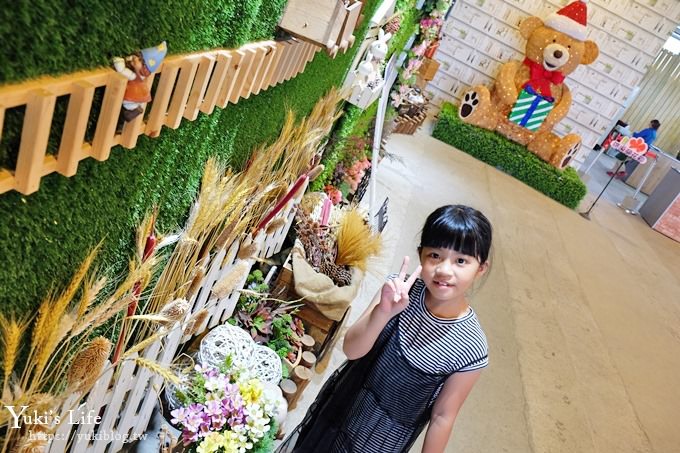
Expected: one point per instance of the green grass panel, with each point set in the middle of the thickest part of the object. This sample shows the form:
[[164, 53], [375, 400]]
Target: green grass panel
[[563, 186], [45, 236], [56, 36], [269, 16], [409, 20]]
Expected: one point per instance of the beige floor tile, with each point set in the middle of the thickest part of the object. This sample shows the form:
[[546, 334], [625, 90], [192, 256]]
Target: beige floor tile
[[583, 317]]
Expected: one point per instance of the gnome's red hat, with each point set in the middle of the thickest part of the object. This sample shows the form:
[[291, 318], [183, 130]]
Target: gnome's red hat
[[570, 20]]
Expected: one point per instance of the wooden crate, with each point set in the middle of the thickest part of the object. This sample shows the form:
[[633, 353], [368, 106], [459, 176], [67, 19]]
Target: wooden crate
[[324, 330], [408, 125], [428, 69], [327, 23]]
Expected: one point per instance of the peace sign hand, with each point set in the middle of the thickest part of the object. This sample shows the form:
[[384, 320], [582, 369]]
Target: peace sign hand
[[394, 294]]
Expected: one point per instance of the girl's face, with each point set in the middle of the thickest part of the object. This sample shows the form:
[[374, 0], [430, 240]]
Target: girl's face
[[448, 274]]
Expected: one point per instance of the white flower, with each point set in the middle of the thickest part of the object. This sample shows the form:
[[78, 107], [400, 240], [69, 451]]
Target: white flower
[[217, 383]]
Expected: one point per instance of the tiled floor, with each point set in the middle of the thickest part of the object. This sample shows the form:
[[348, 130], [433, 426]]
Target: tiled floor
[[596, 179], [582, 317]]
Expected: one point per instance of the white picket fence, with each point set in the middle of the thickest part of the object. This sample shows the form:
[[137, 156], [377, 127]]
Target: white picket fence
[[125, 400]]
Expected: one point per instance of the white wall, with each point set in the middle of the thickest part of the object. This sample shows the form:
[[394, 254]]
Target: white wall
[[480, 35]]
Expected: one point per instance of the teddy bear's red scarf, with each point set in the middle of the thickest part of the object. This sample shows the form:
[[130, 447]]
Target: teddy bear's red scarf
[[540, 78]]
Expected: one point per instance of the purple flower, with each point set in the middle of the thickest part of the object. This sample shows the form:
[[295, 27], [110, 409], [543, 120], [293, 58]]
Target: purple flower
[[213, 407], [204, 428], [179, 415], [231, 391], [238, 417], [189, 437], [207, 371], [218, 422], [194, 417]]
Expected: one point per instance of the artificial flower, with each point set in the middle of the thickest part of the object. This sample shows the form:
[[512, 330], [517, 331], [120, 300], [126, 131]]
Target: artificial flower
[[228, 413]]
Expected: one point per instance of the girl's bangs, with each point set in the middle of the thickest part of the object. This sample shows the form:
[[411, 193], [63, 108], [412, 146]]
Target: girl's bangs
[[460, 237]]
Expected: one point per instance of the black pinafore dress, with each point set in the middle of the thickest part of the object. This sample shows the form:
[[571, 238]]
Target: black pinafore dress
[[379, 403]]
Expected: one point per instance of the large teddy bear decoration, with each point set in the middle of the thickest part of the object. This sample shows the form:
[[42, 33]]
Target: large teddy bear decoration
[[529, 98]]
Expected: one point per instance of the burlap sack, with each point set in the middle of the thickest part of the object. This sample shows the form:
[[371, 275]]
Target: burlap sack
[[318, 289]]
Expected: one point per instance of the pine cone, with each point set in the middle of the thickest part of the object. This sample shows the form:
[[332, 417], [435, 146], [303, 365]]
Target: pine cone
[[340, 275]]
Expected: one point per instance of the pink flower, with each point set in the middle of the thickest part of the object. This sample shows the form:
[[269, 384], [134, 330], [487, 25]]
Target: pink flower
[[334, 194], [194, 418], [420, 49], [213, 407], [179, 415], [365, 163], [414, 65], [189, 437]]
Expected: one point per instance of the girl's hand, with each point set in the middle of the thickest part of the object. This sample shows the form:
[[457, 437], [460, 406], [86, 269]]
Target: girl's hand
[[394, 294]]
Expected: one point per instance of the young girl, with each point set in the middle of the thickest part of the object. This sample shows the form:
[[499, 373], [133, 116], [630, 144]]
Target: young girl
[[414, 355]]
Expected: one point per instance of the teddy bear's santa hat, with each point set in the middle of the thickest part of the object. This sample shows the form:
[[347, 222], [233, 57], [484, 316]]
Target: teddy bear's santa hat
[[570, 20]]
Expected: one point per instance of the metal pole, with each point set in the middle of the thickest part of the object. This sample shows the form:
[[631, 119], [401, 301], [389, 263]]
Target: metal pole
[[630, 205], [602, 150], [390, 76], [586, 215]]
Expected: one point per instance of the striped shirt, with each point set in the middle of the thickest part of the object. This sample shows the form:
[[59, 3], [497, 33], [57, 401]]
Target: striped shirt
[[381, 402], [440, 346]]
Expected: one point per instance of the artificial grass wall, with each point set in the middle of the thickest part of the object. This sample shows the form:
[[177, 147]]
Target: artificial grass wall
[[49, 37], [357, 122], [44, 236], [563, 186]]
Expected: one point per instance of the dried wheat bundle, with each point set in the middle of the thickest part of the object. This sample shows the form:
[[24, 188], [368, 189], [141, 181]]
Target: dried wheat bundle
[[218, 217], [157, 368], [33, 442], [11, 333], [230, 281], [327, 110], [144, 230], [91, 290], [59, 360], [46, 332], [356, 243], [195, 322], [144, 344]]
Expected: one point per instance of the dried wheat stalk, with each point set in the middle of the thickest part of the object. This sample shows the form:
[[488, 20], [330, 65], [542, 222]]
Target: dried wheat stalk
[[88, 364]]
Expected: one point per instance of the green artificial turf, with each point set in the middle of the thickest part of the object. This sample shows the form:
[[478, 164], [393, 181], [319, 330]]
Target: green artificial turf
[[44, 236]]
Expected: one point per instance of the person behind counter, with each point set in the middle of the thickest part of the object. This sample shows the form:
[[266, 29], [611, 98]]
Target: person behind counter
[[649, 136]]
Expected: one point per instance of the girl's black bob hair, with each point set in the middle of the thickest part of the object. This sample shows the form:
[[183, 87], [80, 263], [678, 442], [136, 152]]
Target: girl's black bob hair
[[460, 228]]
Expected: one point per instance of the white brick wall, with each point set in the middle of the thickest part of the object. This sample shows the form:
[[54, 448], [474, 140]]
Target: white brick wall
[[480, 35]]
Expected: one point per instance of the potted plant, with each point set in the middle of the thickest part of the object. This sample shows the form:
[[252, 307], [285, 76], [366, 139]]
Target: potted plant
[[224, 408], [269, 321], [430, 27], [329, 260]]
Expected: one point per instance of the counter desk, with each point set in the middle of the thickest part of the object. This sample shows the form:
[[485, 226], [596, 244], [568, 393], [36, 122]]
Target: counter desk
[[664, 163], [662, 209]]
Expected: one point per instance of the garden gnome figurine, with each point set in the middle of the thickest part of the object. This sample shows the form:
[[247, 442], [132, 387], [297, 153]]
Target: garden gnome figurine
[[136, 68]]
